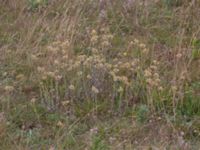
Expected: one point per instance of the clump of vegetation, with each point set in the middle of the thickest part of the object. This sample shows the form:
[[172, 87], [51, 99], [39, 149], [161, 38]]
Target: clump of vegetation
[[99, 74], [33, 4]]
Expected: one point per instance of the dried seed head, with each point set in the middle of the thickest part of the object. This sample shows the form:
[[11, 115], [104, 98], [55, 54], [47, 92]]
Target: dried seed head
[[72, 87], [9, 88], [95, 90]]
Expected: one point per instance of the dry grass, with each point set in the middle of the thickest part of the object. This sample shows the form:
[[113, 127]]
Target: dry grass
[[82, 74]]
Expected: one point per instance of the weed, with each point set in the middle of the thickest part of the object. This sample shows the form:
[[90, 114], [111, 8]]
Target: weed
[[34, 4]]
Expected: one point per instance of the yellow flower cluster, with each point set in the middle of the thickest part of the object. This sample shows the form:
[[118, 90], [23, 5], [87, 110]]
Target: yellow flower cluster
[[152, 77], [52, 59], [94, 37], [60, 63], [101, 40], [95, 70], [141, 45]]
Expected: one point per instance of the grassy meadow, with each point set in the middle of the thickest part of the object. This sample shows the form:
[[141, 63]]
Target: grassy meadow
[[99, 74]]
